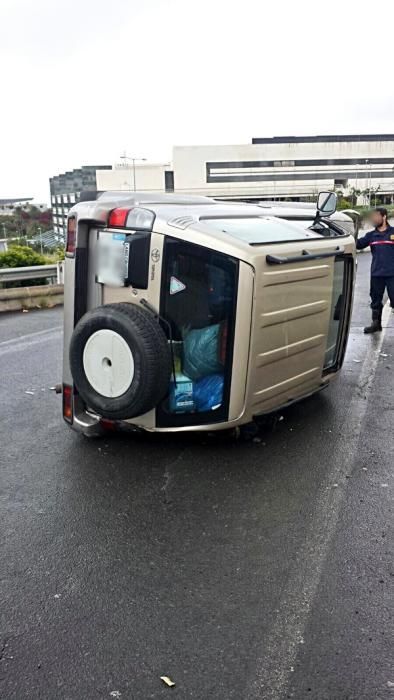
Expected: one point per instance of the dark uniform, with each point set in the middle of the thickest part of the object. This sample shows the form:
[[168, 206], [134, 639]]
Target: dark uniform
[[382, 268]]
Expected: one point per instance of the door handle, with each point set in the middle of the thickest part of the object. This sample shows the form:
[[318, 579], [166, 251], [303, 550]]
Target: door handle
[[283, 260]]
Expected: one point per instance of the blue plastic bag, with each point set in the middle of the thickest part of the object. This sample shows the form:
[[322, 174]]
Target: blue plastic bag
[[201, 352], [208, 392]]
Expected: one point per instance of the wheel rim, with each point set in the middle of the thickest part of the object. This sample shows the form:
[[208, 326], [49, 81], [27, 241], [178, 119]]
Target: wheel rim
[[108, 363]]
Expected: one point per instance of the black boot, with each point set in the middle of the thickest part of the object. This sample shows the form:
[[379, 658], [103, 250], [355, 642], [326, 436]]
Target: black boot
[[376, 324]]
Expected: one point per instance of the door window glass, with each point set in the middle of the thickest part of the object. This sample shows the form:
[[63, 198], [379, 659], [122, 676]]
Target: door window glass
[[198, 300], [336, 313]]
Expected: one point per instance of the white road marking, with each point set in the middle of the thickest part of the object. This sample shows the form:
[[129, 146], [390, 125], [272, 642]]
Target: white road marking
[[26, 341], [278, 657]]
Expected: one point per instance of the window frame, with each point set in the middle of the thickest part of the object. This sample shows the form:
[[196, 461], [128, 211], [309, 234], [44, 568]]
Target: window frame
[[164, 418], [343, 330]]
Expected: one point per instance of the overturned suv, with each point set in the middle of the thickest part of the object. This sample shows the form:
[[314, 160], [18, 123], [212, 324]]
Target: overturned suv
[[184, 313]]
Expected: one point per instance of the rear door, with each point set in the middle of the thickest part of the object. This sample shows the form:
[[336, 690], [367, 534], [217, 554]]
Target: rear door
[[300, 321], [198, 303]]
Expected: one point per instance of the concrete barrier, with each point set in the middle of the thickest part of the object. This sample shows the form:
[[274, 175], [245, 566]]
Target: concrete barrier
[[40, 297]]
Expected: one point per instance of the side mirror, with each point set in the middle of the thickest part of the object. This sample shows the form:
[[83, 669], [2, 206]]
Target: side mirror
[[326, 203]]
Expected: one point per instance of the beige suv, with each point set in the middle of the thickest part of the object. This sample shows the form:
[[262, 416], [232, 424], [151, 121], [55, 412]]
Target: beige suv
[[183, 313]]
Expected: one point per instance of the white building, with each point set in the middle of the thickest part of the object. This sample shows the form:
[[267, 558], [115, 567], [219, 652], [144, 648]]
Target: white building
[[8, 206], [269, 168], [141, 176]]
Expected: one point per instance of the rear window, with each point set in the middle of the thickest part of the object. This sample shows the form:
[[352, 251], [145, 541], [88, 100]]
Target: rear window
[[256, 230]]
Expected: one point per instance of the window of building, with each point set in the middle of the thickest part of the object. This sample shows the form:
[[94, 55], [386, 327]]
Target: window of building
[[284, 163], [169, 180]]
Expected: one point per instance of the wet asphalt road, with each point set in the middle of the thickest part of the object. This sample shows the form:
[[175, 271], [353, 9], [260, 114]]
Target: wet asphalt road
[[239, 570]]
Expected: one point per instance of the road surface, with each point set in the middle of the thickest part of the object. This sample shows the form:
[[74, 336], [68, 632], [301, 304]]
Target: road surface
[[241, 570]]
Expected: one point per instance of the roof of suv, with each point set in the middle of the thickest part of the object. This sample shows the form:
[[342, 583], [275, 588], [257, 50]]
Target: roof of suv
[[208, 216]]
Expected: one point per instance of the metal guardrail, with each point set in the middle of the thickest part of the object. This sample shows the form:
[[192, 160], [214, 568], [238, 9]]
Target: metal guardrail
[[19, 274]]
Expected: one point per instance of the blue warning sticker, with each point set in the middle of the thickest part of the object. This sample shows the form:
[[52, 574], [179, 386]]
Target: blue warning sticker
[[118, 236], [176, 286]]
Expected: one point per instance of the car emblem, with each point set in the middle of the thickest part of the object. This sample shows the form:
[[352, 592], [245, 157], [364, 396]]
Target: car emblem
[[155, 255]]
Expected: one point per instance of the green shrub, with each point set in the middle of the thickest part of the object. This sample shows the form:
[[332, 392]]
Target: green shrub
[[22, 256], [344, 204]]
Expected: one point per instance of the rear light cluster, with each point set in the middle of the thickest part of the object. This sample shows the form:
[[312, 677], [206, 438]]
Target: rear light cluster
[[136, 218], [68, 403], [71, 235]]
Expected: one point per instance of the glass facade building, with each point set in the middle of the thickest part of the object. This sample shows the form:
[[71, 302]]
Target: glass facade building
[[66, 189]]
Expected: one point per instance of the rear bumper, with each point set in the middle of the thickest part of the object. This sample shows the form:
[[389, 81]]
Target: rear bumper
[[83, 421], [87, 424]]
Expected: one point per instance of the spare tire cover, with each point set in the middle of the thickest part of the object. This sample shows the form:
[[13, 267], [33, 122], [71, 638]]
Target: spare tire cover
[[120, 360]]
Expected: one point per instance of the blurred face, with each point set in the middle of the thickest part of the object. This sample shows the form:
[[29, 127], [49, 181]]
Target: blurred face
[[377, 219]]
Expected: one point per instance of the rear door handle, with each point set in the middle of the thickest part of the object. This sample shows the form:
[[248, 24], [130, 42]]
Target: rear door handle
[[282, 260]]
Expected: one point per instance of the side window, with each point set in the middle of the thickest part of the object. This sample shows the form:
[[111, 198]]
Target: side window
[[342, 275], [198, 301]]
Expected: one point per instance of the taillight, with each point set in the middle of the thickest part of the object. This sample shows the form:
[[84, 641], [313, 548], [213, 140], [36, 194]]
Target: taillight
[[68, 403], [117, 218], [136, 218], [71, 235], [107, 424]]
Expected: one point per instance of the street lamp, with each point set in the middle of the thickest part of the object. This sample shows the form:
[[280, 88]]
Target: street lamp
[[133, 160], [40, 232], [369, 179]]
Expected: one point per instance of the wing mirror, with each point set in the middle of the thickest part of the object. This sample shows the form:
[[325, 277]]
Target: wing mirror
[[326, 203]]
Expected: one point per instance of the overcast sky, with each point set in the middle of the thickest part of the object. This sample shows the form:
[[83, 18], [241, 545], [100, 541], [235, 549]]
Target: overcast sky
[[83, 80]]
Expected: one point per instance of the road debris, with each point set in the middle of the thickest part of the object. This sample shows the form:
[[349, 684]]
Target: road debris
[[383, 354], [31, 393], [358, 361], [167, 681], [115, 694]]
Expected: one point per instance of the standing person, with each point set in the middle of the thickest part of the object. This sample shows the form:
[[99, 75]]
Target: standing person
[[381, 241]]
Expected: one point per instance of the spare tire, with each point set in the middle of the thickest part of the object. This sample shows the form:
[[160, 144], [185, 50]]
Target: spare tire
[[120, 360]]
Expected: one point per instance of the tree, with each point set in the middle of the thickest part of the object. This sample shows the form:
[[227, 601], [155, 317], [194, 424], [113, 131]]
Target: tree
[[354, 193]]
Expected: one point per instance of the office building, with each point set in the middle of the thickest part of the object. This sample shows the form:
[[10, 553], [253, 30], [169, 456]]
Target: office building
[[65, 191]]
